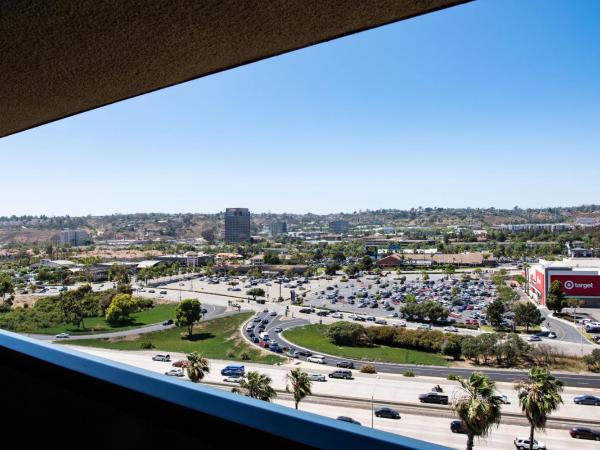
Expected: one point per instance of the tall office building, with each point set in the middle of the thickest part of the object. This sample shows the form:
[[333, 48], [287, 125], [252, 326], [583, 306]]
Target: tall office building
[[278, 227], [339, 226], [237, 225], [73, 238]]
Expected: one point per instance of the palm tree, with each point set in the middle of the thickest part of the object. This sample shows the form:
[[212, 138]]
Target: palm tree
[[539, 395], [196, 367], [256, 385], [478, 406], [300, 385]]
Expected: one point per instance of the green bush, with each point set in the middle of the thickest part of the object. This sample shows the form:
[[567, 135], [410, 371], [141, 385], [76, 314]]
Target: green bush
[[453, 377], [147, 345], [368, 368], [347, 333], [245, 356], [408, 373]]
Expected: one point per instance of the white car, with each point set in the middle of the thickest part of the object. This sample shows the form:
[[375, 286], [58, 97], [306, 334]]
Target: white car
[[337, 315], [523, 444], [277, 329], [317, 377], [316, 359], [174, 373], [401, 324], [451, 329], [62, 336], [424, 326], [233, 379]]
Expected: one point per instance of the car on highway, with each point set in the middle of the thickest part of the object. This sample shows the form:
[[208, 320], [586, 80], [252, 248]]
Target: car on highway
[[451, 329], [62, 336], [458, 426], [299, 352], [234, 370], [175, 373], [273, 314], [317, 377], [232, 379], [305, 310], [277, 329], [168, 322], [345, 364], [318, 359], [522, 443], [349, 420], [534, 338], [180, 363], [337, 315], [163, 292], [163, 358], [341, 374], [587, 400], [387, 413], [584, 433], [424, 326], [434, 397]]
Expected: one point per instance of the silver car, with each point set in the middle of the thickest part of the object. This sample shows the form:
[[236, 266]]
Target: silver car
[[317, 377]]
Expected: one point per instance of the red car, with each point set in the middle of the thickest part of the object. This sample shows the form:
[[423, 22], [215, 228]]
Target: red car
[[180, 363]]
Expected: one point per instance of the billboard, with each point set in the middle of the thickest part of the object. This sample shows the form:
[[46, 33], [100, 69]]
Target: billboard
[[575, 285]]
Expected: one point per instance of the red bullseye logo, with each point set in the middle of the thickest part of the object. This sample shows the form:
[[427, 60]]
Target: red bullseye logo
[[569, 285]]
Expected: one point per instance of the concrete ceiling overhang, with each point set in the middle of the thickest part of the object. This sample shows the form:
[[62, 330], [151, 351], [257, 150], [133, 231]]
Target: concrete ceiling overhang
[[63, 57]]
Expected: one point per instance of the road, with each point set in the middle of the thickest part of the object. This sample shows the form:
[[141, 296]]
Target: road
[[504, 375], [384, 389]]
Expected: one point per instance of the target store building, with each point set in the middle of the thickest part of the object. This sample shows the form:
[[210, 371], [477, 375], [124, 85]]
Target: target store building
[[579, 278]]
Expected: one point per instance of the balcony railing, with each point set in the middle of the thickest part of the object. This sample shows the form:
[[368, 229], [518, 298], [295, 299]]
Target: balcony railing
[[55, 394]]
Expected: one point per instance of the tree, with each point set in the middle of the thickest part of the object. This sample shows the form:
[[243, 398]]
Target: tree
[[196, 367], [6, 285], [347, 333], [121, 306], [187, 313], [331, 269], [256, 385], [593, 360], [526, 313], [209, 234], [478, 406], [495, 312], [539, 396], [555, 299], [299, 385], [424, 276], [366, 263], [119, 273], [449, 270], [451, 348], [256, 292]]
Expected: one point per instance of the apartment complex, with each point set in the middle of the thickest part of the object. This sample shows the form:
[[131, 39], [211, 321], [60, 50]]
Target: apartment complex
[[339, 226], [73, 238], [278, 228], [237, 225]]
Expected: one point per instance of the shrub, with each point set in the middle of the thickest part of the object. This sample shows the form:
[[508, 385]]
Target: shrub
[[453, 377], [230, 353], [245, 356], [368, 368], [147, 345], [593, 361], [408, 373], [451, 348], [347, 333]]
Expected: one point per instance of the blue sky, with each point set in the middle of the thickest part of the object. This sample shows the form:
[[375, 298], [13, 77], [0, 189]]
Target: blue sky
[[492, 103]]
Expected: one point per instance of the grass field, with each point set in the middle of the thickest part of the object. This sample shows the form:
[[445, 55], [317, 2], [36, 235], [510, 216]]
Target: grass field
[[215, 339], [156, 314], [314, 337]]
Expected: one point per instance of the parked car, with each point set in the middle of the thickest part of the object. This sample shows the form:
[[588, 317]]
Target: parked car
[[345, 364], [387, 413], [342, 374], [584, 433], [317, 377], [62, 336], [349, 420], [534, 338], [587, 400], [175, 373], [164, 358], [451, 329], [434, 397], [168, 322], [522, 443]]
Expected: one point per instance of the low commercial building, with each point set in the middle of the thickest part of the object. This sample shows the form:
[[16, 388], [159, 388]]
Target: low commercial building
[[579, 278], [73, 238], [472, 259], [189, 259]]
